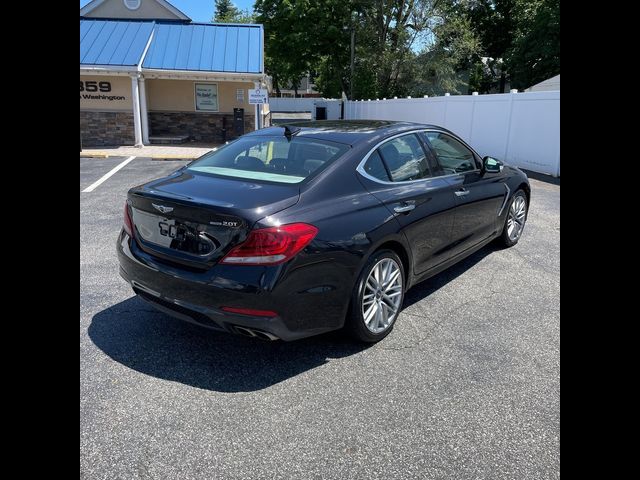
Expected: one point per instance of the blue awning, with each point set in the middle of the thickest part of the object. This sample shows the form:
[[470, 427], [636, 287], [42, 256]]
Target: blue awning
[[191, 47]]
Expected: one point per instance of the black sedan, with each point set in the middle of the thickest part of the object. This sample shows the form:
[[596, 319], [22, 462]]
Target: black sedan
[[293, 231]]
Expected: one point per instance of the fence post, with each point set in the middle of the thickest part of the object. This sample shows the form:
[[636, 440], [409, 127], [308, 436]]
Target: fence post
[[446, 103], [473, 109], [506, 147]]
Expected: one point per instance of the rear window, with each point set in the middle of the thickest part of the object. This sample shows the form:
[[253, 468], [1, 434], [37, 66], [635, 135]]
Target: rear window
[[273, 159]]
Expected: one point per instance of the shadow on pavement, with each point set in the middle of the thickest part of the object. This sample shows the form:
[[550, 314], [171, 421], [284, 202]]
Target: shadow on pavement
[[541, 177], [426, 288], [139, 337], [136, 335]]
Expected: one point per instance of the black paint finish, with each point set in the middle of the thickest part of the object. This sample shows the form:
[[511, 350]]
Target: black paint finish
[[354, 215]]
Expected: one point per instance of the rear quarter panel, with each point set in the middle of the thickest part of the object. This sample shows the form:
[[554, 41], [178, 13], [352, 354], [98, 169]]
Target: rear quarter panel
[[351, 224]]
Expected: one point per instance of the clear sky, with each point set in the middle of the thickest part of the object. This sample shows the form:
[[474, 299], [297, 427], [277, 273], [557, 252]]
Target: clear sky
[[198, 10]]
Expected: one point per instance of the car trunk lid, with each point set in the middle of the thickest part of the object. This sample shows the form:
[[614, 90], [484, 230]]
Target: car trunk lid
[[194, 218]]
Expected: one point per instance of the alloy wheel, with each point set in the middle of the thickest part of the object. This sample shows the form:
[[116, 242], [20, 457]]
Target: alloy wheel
[[516, 218], [382, 295]]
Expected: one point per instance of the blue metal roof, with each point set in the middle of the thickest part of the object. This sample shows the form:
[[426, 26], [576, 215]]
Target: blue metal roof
[[204, 47], [194, 47], [104, 42]]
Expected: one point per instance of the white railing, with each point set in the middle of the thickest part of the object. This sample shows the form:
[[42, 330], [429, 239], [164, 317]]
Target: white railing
[[521, 128]]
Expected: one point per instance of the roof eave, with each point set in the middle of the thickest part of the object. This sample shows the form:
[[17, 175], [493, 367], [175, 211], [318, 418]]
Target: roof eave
[[108, 69], [201, 75]]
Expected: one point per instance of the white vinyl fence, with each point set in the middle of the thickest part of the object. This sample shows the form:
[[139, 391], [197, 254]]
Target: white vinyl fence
[[521, 128], [333, 106]]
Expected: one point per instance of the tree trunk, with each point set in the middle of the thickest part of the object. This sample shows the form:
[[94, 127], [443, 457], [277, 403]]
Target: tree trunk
[[277, 85], [503, 81]]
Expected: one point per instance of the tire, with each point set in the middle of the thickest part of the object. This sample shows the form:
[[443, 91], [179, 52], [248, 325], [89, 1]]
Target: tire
[[518, 210], [384, 264]]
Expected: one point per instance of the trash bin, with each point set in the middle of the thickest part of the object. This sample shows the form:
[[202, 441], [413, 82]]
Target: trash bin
[[238, 121], [223, 130]]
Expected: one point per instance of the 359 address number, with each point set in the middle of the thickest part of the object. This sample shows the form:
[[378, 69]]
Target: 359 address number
[[93, 86]]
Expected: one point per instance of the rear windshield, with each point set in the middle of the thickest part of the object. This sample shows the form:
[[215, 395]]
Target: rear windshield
[[273, 159]]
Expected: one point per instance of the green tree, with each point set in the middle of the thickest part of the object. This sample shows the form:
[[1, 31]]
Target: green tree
[[494, 23], [534, 54], [448, 64], [227, 12], [520, 41], [303, 35], [464, 45]]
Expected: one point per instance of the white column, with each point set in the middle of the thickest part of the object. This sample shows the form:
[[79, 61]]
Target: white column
[[144, 116], [135, 98]]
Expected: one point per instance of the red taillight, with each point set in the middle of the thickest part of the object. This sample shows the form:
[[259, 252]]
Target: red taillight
[[270, 246], [128, 224], [250, 311]]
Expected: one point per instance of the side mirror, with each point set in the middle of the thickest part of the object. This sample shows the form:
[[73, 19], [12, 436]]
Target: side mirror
[[491, 165]]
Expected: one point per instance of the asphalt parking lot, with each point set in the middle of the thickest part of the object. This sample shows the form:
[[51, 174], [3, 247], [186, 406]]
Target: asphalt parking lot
[[465, 387]]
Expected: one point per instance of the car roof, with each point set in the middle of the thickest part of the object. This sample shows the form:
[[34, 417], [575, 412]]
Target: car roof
[[349, 132]]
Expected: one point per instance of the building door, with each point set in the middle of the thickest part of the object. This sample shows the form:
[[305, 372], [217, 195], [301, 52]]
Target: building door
[[321, 113]]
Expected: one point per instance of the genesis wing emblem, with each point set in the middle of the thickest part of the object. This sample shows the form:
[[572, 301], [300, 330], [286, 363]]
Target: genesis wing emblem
[[162, 208]]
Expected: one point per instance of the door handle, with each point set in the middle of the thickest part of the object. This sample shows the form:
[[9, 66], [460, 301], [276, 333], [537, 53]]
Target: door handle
[[406, 207], [462, 192]]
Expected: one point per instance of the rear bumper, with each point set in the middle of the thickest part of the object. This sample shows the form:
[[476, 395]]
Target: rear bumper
[[306, 301]]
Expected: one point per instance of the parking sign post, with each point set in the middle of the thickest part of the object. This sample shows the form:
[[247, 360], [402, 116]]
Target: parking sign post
[[258, 97]]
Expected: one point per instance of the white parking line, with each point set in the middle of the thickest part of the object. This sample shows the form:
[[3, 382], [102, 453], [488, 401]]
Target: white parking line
[[94, 185]]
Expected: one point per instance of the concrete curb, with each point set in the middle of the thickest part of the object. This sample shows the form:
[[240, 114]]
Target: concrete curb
[[171, 157], [156, 156]]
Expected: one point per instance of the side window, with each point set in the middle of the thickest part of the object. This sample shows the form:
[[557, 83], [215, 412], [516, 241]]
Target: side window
[[405, 158], [453, 156], [376, 168]]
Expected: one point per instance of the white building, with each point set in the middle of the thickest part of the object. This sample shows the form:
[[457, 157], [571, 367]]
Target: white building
[[550, 84]]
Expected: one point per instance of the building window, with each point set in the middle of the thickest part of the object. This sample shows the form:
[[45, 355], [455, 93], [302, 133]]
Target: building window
[[240, 95], [206, 97], [132, 4]]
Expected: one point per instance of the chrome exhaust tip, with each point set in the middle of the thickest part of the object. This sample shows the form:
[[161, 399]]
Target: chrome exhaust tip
[[270, 337], [249, 332]]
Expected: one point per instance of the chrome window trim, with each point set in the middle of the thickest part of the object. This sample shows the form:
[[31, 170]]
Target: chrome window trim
[[361, 171]]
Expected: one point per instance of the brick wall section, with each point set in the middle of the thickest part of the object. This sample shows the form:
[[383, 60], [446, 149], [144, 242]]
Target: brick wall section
[[106, 128], [202, 127], [116, 128]]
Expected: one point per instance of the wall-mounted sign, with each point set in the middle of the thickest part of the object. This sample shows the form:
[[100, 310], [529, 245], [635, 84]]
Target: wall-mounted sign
[[95, 90], [207, 97], [258, 95]]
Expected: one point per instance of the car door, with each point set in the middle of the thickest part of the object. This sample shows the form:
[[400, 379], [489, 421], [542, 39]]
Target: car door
[[399, 173], [478, 195]]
